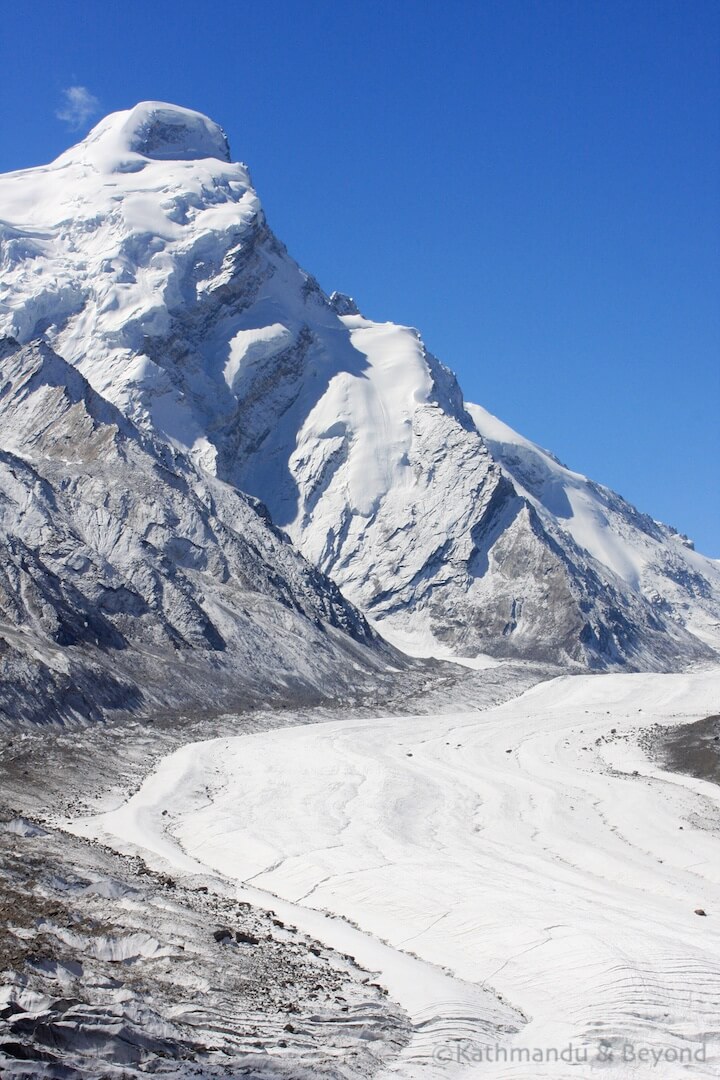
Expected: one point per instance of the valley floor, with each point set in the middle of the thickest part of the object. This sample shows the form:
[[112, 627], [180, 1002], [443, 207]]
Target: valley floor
[[522, 879], [531, 882]]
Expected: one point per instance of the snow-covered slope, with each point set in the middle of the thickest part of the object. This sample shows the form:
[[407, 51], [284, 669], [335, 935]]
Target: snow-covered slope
[[130, 577], [646, 555], [143, 257]]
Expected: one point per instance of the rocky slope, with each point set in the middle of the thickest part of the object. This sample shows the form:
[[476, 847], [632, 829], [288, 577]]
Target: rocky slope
[[143, 257], [110, 970], [129, 578]]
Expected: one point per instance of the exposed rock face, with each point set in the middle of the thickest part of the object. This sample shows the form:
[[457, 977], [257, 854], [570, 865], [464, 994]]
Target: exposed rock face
[[119, 553], [142, 255]]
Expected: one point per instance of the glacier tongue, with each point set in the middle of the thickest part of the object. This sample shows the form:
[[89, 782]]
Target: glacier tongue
[[142, 256]]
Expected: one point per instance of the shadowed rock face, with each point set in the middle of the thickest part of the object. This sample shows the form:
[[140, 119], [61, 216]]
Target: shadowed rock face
[[120, 559], [155, 274], [693, 749]]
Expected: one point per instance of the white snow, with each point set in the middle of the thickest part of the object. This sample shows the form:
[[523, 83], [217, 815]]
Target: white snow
[[93, 246], [249, 347], [417, 639], [515, 848], [153, 130], [564, 493], [371, 411]]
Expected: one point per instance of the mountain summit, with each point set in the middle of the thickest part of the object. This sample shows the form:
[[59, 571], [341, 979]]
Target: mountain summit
[[151, 130], [143, 258]]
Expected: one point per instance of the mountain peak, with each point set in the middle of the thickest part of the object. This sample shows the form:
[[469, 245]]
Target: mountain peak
[[158, 131], [344, 304]]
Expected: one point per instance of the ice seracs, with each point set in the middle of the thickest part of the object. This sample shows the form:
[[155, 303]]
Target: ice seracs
[[143, 258]]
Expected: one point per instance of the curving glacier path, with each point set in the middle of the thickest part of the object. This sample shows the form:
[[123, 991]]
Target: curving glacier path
[[524, 880]]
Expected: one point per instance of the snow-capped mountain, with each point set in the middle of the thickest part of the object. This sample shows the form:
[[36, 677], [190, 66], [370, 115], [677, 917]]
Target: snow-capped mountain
[[143, 258]]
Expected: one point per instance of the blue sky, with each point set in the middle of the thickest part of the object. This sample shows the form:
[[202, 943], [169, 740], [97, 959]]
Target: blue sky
[[535, 185]]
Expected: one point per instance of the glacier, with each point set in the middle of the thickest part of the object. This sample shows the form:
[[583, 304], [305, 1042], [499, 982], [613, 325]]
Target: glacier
[[517, 875]]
